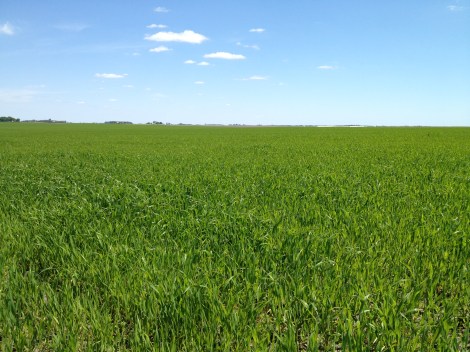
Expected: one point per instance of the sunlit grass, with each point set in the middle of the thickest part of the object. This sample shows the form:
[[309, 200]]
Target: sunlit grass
[[201, 238]]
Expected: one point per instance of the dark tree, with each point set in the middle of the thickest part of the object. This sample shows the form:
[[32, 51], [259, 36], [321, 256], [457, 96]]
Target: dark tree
[[8, 119]]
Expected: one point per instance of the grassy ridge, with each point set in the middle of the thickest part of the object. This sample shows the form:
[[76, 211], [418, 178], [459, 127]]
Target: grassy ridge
[[210, 238]]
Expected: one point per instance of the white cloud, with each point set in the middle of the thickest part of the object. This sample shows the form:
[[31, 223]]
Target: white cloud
[[199, 82], [253, 46], [160, 26], [257, 30], [256, 78], [161, 9], [110, 75], [159, 49], [326, 67], [112, 100], [128, 86], [81, 102], [192, 62], [224, 55], [7, 29], [186, 36], [455, 8]]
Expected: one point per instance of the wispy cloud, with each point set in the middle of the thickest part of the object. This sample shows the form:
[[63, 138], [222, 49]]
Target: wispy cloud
[[7, 29], [224, 55], [112, 100], [253, 46], [257, 30], [255, 78], [158, 96], [160, 49], [186, 36], [110, 75], [17, 95], [161, 9], [199, 82], [455, 8], [192, 62], [72, 27], [326, 67], [160, 26]]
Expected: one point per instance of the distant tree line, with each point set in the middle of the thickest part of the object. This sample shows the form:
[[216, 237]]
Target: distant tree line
[[8, 119], [12, 119], [46, 121], [119, 122]]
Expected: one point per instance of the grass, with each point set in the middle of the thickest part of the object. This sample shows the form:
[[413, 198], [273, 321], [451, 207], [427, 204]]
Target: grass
[[176, 238]]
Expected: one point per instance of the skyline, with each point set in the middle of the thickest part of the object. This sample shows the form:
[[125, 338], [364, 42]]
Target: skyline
[[218, 62]]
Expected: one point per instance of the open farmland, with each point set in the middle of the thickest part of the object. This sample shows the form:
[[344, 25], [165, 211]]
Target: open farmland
[[234, 239]]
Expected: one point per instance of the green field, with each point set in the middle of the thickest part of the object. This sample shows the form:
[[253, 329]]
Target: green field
[[176, 238]]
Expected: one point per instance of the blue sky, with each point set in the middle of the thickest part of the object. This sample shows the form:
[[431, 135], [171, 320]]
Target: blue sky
[[248, 62]]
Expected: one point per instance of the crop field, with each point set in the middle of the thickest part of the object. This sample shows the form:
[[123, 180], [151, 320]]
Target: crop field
[[186, 238]]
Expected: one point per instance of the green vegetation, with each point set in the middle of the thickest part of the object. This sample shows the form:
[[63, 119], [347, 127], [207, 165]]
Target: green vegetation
[[8, 119], [120, 237]]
